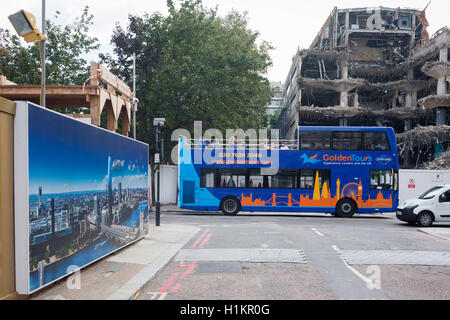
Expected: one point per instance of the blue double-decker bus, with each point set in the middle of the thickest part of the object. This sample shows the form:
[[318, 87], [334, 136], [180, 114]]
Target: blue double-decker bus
[[337, 170]]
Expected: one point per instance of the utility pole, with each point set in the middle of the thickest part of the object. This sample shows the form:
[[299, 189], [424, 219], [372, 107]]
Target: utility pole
[[43, 55], [158, 122], [158, 172]]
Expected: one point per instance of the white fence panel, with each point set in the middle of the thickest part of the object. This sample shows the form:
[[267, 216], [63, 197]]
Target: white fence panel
[[168, 185]]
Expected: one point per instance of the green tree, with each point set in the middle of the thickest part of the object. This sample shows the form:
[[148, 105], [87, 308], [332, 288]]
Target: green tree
[[193, 65], [65, 47]]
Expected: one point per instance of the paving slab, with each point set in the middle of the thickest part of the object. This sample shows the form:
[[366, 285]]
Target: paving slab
[[243, 255], [396, 257]]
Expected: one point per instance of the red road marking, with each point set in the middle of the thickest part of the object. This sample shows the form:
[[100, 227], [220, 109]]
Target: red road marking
[[435, 238], [168, 282], [204, 238], [189, 270], [198, 240], [204, 241], [175, 288]]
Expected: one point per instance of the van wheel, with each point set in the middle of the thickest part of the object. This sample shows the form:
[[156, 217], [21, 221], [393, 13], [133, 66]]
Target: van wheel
[[346, 208], [425, 219], [230, 206]]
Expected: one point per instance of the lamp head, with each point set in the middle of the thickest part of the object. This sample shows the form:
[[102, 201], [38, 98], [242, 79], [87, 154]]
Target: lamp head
[[159, 121], [24, 23]]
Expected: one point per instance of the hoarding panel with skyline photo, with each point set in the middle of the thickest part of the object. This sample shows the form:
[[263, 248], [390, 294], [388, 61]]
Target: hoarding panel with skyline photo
[[82, 193]]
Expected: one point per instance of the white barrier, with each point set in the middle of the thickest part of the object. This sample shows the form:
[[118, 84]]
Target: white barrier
[[415, 182], [168, 184]]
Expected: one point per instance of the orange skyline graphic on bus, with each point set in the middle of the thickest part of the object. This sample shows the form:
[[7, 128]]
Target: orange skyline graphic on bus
[[322, 198]]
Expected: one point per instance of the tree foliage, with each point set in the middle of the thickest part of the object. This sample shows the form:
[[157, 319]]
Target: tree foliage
[[65, 47], [194, 65]]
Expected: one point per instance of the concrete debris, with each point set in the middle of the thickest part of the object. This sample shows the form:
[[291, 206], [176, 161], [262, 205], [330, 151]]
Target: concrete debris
[[440, 163], [434, 101], [422, 138]]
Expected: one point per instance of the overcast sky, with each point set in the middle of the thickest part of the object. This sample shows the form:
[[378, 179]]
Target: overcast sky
[[286, 24]]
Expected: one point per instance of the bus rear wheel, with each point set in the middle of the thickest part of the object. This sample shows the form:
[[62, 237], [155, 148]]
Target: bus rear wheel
[[230, 206], [345, 208]]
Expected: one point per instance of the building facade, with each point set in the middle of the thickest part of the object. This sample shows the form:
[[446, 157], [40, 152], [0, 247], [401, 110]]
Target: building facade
[[370, 67]]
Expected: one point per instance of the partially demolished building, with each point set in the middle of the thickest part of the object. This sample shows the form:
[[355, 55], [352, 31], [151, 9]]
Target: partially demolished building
[[374, 67]]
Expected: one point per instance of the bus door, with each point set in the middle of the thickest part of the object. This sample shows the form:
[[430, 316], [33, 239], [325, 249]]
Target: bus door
[[189, 191]]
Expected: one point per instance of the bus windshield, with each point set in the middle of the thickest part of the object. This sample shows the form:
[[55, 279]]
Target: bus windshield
[[430, 194]]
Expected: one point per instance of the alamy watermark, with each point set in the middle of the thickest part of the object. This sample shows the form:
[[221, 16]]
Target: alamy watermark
[[73, 282]]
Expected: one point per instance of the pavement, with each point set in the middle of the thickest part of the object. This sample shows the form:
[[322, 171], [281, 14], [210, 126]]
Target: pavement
[[442, 232], [121, 276]]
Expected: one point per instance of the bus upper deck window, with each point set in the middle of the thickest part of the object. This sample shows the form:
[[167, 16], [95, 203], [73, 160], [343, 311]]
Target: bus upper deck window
[[347, 140], [376, 141], [312, 140]]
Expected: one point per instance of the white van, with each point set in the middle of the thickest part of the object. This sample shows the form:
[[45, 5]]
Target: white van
[[431, 206]]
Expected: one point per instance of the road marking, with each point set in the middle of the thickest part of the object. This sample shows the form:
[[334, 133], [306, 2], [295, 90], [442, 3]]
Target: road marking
[[433, 237], [137, 294], [204, 241], [189, 270], [317, 231], [356, 272], [168, 282], [175, 288], [199, 239], [157, 295]]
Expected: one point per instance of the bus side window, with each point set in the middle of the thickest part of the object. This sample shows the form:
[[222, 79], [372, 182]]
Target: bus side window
[[347, 140], [315, 140], [207, 178], [381, 180], [307, 178], [231, 178], [255, 180], [376, 141]]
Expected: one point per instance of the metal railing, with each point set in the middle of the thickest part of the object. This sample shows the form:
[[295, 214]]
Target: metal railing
[[241, 144]]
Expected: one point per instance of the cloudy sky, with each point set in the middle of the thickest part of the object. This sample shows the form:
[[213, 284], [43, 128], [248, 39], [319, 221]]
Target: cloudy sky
[[287, 24], [60, 160]]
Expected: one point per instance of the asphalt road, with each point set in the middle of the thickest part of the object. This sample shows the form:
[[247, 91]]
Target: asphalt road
[[303, 256]]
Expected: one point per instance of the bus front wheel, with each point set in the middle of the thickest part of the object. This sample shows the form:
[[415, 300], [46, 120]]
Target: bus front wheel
[[230, 206], [346, 208]]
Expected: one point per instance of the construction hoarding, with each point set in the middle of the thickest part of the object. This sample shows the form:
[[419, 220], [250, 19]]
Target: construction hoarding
[[81, 193]]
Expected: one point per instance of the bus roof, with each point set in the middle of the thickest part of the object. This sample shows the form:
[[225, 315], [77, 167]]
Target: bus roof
[[329, 128]]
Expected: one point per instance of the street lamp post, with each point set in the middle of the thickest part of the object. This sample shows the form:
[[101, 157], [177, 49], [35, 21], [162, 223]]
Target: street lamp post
[[25, 25], [135, 101], [43, 55], [158, 123]]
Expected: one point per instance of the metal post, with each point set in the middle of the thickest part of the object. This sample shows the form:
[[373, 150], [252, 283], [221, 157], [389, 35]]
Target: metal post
[[43, 55], [158, 208], [134, 96]]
